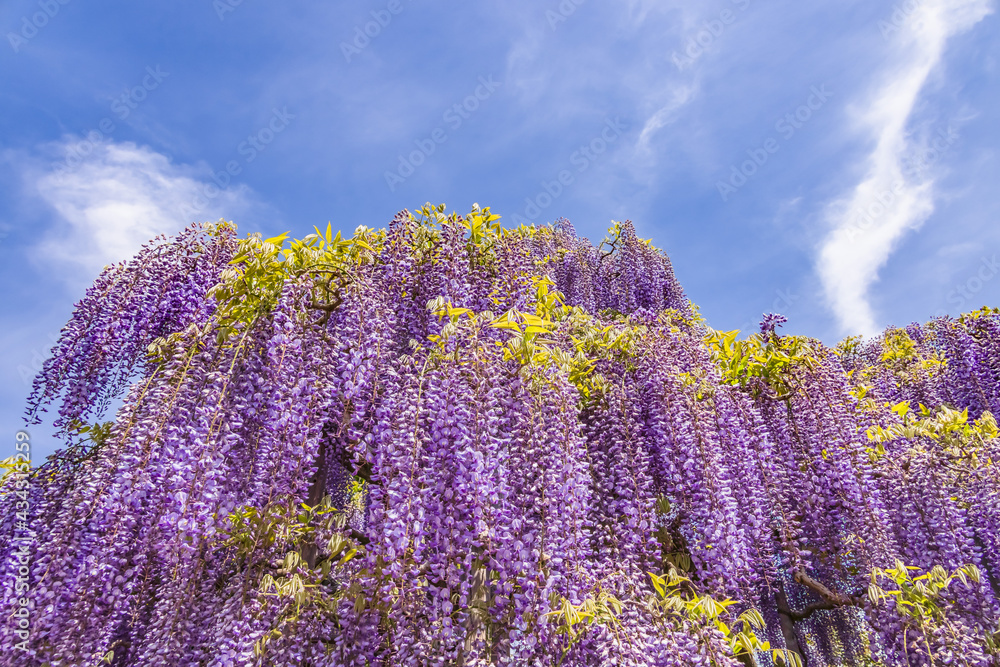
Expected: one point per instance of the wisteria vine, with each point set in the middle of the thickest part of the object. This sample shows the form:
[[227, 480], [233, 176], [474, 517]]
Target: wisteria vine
[[450, 443]]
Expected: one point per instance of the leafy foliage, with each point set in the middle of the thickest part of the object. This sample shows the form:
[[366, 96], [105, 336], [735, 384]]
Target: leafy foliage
[[450, 442], [676, 596], [924, 601], [764, 363]]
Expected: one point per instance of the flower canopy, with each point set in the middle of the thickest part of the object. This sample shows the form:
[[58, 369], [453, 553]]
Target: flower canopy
[[450, 443]]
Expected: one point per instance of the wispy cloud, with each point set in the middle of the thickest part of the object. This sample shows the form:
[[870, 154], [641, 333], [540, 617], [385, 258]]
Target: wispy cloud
[[117, 198], [572, 86], [868, 222], [679, 97]]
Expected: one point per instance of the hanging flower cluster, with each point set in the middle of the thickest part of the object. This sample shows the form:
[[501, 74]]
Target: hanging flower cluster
[[450, 443]]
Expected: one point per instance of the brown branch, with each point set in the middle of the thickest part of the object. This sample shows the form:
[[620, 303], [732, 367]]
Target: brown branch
[[837, 599], [831, 600], [363, 471], [318, 559], [787, 622], [605, 255], [328, 307], [809, 610], [773, 396], [337, 299]]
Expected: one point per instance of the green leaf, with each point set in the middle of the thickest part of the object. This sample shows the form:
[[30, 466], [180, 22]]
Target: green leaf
[[503, 324], [277, 240], [658, 584]]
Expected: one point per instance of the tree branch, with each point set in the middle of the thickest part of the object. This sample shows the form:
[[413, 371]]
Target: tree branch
[[837, 599], [831, 600]]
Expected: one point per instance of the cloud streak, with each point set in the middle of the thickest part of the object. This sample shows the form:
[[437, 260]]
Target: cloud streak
[[867, 223], [663, 116], [118, 198]]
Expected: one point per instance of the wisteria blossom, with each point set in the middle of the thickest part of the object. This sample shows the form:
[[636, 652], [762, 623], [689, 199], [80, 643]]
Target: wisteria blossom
[[450, 443]]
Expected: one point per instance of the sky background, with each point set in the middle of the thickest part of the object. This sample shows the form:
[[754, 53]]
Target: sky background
[[835, 161]]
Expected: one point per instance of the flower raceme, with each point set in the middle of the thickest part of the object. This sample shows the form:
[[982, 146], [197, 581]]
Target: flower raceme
[[447, 442]]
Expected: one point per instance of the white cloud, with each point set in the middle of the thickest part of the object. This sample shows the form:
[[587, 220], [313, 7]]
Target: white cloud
[[665, 115], [869, 221], [572, 86], [116, 198]]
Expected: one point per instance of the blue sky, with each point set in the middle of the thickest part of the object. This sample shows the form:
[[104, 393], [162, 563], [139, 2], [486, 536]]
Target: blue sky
[[833, 161]]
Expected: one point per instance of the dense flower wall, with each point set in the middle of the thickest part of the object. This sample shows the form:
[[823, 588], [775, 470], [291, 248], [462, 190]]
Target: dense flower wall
[[449, 443]]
